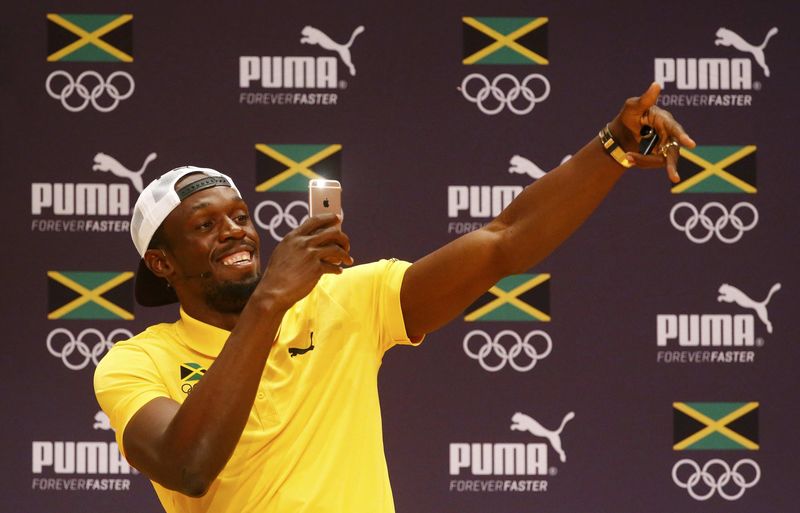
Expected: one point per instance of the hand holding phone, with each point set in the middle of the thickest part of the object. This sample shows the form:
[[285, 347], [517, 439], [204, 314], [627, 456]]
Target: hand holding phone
[[324, 196]]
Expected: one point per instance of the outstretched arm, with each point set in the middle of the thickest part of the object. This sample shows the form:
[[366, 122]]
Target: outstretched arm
[[440, 285]]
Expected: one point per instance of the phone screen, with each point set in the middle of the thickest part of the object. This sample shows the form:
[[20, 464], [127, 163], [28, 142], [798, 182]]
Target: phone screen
[[649, 140]]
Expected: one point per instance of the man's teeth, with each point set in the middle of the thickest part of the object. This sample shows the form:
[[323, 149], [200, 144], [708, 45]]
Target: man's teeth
[[236, 258]]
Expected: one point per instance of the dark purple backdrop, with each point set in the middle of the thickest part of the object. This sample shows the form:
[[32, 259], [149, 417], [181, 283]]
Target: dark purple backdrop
[[408, 137]]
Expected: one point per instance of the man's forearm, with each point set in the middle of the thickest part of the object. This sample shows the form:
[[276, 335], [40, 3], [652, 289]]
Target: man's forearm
[[185, 446], [202, 435], [440, 285], [553, 207]]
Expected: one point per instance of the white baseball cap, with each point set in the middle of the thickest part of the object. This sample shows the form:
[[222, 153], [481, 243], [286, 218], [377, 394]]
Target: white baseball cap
[[155, 203]]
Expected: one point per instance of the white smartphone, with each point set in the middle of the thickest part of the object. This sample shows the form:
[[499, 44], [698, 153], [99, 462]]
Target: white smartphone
[[324, 196]]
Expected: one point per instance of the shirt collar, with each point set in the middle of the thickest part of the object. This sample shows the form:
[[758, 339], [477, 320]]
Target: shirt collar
[[201, 337]]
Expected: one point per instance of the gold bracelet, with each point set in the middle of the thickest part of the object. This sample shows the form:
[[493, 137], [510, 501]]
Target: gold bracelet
[[613, 148]]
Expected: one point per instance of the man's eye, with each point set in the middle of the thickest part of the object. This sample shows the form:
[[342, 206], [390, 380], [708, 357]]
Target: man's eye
[[205, 225], [242, 219]]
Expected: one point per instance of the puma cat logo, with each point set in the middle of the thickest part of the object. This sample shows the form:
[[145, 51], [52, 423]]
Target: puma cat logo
[[101, 421], [727, 37], [314, 36], [522, 422], [294, 351], [730, 294], [521, 165], [107, 163]]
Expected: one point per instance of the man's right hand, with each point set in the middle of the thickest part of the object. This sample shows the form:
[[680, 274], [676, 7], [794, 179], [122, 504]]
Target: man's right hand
[[316, 247]]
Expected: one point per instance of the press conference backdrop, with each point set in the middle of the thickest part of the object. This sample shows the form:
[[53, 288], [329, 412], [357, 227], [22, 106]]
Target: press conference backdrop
[[648, 365]]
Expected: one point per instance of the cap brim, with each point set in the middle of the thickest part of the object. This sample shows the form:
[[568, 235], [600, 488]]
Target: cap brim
[[151, 290]]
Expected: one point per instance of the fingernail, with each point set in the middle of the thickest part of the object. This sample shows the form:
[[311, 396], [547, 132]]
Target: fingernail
[[630, 158]]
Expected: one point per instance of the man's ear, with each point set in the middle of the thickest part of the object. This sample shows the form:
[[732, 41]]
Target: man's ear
[[156, 260]]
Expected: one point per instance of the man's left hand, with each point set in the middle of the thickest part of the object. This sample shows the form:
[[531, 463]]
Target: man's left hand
[[641, 111]]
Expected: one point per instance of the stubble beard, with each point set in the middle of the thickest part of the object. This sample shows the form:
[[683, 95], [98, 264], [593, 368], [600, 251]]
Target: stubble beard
[[231, 297]]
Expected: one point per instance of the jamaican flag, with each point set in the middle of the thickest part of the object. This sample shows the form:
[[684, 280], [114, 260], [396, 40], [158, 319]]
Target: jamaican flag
[[710, 169], [519, 297], [488, 40], [89, 295], [289, 167], [722, 426], [191, 371], [90, 37]]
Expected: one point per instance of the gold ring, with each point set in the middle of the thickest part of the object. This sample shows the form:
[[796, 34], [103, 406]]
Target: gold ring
[[665, 149]]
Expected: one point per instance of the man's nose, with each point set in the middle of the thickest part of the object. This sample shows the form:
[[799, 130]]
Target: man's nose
[[231, 229]]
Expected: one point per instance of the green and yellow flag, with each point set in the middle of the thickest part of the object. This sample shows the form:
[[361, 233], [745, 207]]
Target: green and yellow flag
[[519, 297], [492, 40], [191, 372], [289, 167], [90, 37], [90, 295], [720, 426], [717, 169]]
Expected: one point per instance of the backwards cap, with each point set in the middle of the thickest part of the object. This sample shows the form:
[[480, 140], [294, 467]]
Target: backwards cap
[[155, 203]]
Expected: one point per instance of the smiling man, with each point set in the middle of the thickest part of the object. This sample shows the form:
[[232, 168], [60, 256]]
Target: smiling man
[[263, 395]]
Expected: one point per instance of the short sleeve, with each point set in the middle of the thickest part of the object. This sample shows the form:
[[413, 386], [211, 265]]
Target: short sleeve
[[125, 380], [390, 309]]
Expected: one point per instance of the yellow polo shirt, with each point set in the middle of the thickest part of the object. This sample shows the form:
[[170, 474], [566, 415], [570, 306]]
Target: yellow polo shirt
[[313, 442]]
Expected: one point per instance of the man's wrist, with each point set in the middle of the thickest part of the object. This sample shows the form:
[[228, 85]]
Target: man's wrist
[[624, 137], [272, 302], [612, 146]]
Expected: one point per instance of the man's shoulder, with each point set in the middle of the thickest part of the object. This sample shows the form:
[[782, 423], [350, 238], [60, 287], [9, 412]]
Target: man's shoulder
[[154, 335], [155, 338], [364, 282], [368, 271]]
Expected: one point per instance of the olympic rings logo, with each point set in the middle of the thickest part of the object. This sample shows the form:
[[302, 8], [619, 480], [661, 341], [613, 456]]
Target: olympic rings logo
[[710, 227], [280, 217], [716, 484], [505, 99], [512, 356], [79, 345], [82, 86]]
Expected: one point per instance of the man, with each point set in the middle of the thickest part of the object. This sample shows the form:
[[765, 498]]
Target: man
[[263, 396]]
